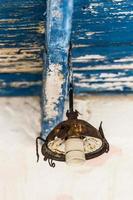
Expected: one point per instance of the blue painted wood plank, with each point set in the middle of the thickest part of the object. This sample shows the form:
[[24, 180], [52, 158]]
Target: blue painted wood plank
[[21, 35], [103, 80], [102, 53], [20, 84], [21, 47]]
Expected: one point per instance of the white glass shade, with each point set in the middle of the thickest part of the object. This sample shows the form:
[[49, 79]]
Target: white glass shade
[[74, 152]]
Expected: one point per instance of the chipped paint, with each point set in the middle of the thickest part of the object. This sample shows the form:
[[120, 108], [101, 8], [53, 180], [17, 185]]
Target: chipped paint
[[55, 73], [128, 66], [101, 36], [53, 92], [21, 41], [89, 57], [24, 84]]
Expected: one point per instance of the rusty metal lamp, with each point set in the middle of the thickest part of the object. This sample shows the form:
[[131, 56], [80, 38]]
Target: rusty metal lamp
[[73, 141]]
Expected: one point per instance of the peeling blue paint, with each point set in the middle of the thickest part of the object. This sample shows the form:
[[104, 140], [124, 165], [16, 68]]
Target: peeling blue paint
[[55, 76], [20, 84], [101, 35]]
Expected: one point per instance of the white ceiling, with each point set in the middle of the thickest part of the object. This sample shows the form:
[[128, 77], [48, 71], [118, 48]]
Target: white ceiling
[[109, 177]]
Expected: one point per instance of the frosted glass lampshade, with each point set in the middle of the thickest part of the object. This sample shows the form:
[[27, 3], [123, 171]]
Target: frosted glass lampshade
[[74, 152]]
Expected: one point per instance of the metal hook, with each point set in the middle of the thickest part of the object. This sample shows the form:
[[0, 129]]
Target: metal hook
[[37, 153], [51, 163]]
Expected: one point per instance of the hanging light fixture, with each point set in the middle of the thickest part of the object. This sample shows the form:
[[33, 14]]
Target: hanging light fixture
[[73, 141]]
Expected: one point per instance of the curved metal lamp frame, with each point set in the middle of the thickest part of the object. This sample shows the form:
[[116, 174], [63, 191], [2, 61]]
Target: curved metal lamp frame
[[80, 129]]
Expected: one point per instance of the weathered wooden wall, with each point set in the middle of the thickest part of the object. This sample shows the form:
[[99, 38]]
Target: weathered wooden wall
[[21, 46], [102, 46]]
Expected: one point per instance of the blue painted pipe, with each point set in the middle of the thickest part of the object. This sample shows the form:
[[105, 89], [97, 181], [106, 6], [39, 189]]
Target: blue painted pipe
[[55, 71]]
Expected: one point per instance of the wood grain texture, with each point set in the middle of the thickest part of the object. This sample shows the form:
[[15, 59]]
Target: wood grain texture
[[21, 46], [102, 40], [103, 46]]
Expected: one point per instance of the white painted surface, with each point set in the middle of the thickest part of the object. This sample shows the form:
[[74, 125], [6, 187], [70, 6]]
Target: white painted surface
[[109, 177], [55, 78]]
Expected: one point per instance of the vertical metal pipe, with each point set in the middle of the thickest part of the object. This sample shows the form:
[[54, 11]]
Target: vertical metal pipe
[[71, 97], [55, 71]]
